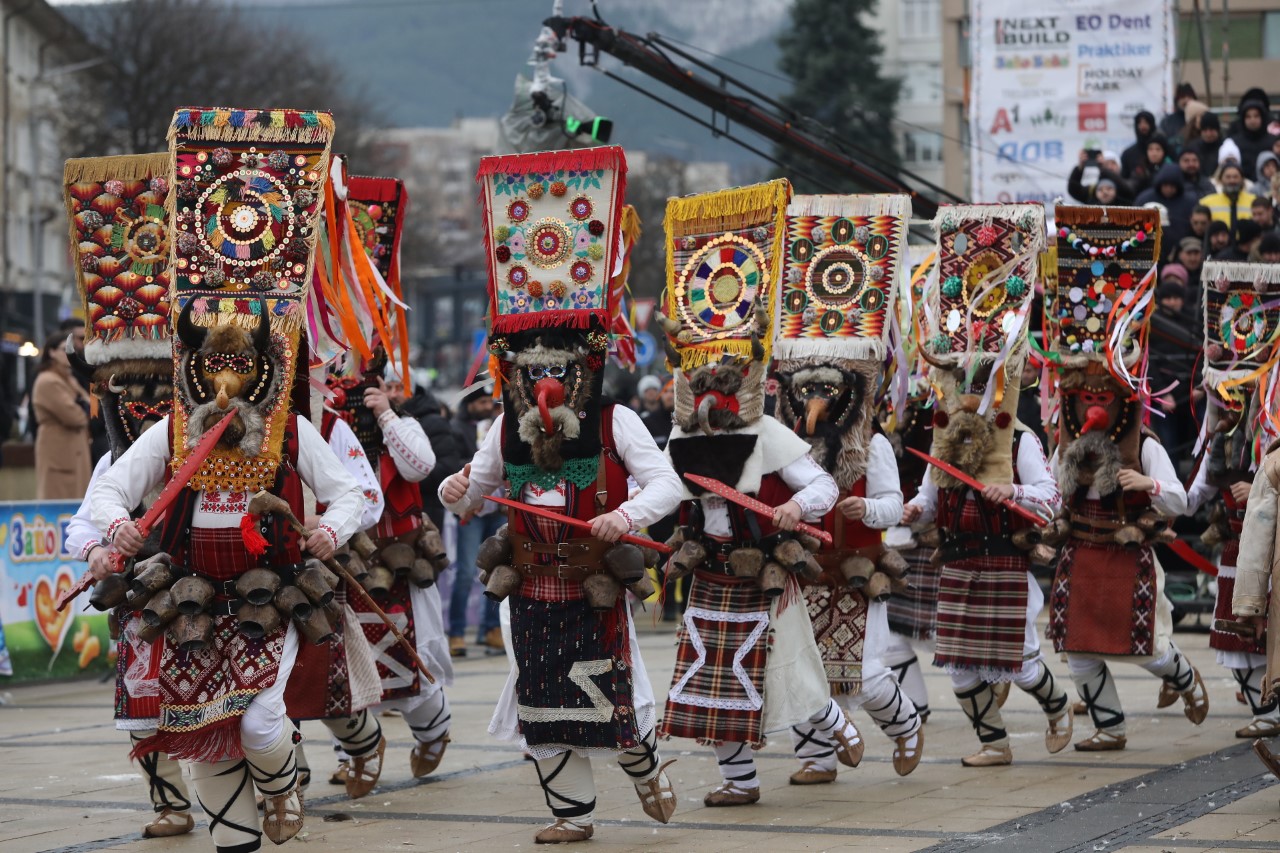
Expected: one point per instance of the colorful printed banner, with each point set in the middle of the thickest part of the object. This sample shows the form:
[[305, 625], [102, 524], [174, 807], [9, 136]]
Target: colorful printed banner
[[1050, 79], [43, 643]]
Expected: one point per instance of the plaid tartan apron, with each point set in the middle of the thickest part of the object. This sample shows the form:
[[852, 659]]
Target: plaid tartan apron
[[913, 613]]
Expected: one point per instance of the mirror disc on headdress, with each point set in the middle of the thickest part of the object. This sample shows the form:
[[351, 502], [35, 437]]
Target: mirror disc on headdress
[[721, 283]]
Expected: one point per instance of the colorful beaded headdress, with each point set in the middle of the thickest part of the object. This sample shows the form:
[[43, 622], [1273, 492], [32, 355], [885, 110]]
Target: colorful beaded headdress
[[248, 191], [1242, 347], [840, 275], [725, 251], [551, 224], [120, 246]]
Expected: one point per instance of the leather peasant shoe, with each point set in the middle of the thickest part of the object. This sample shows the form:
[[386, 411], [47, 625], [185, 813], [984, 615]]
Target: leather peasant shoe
[[1058, 735], [907, 752], [730, 794], [425, 758], [564, 832], [1102, 741], [363, 771], [1195, 702], [168, 824], [812, 774], [989, 756], [282, 816], [658, 796]]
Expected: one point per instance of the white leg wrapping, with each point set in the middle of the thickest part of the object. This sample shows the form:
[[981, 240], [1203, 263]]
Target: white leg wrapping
[[164, 778], [738, 765], [568, 786], [225, 792]]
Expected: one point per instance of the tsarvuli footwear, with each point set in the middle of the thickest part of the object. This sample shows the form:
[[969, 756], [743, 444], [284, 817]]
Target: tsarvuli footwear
[[989, 756], [168, 824], [1102, 741], [729, 794], [564, 832], [363, 771], [426, 756], [658, 796], [1058, 735], [907, 752], [282, 816], [812, 774]]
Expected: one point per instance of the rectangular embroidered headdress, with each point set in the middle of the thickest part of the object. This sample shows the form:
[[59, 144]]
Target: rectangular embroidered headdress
[[725, 252], [844, 257]]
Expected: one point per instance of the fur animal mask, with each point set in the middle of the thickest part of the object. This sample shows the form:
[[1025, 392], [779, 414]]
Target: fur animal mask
[[727, 395], [225, 366], [135, 395], [979, 444], [827, 402], [1094, 402]]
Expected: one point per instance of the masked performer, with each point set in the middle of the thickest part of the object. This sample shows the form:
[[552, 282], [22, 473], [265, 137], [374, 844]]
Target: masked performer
[[579, 686], [1240, 344], [244, 216], [127, 353], [746, 661], [838, 298], [1118, 485], [973, 333]]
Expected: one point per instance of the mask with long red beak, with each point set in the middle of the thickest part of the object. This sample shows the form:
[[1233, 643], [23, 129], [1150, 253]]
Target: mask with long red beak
[[826, 401]]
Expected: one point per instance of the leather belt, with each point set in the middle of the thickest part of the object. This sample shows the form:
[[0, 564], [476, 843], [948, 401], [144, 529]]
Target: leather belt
[[571, 560]]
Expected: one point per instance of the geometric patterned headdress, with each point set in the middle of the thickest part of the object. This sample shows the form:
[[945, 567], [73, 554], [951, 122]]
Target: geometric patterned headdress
[[120, 247], [725, 253], [248, 191], [838, 290]]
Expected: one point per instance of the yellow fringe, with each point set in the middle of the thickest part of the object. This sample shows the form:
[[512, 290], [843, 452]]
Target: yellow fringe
[[222, 131], [122, 167], [728, 210]]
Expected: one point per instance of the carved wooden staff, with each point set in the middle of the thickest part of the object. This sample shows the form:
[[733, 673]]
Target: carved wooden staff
[[265, 502]]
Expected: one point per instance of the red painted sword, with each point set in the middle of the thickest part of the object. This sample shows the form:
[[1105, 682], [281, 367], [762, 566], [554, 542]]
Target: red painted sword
[[168, 494], [948, 468], [759, 507], [543, 512]]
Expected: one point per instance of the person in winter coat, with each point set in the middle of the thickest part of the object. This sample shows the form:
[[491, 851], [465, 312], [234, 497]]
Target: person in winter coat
[[1208, 129], [1157, 153], [1173, 124], [1267, 165], [1098, 192], [1252, 137], [1234, 202], [1169, 190], [63, 462], [1144, 126], [1193, 178]]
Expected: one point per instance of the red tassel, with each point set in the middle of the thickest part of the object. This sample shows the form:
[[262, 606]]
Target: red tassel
[[217, 742], [790, 594], [598, 157], [580, 319], [254, 542]]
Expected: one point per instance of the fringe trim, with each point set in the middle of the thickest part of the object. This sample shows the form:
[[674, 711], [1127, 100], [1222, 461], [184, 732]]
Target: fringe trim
[[1092, 214], [1239, 272], [285, 313], [598, 157], [584, 320], [100, 351], [219, 741], [121, 167], [225, 124], [850, 205], [869, 349], [698, 355], [728, 210], [365, 188]]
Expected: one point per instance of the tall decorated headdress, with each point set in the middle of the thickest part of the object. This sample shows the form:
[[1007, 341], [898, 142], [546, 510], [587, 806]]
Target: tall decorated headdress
[[552, 239], [249, 186], [358, 294], [837, 303], [725, 252], [1097, 314], [1241, 349], [972, 331], [120, 247]]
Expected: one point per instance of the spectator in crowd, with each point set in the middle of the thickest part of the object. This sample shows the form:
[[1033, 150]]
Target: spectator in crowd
[[1173, 348], [1263, 213], [1269, 248], [1170, 191], [61, 406], [1219, 237], [1234, 202], [655, 415], [1144, 174], [1200, 219], [1172, 124], [1228, 154], [1029, 400], [1250, 133], [1207, 141], [1144, 127], [1189, 254], [1267, 166], [1247, 235], [476, 412], [1104, 184], [1196, 182]]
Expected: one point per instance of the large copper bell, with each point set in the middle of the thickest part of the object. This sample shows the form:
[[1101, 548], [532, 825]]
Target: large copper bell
[[856, 571], [363, 549], [746, 562], [422, 573], [316, 627], [773, 579], [398, 557], [160, 610], [293, 603], [1056, 532], [314, 583], [109, 593], [1151, 523], [503, 580], [601, 591], [690, 556], [625, 562], [149, 633], [151, 575], [892, 564], [878, 588], [258, 586], [494, 551], [192, 594], [1130, 536], [353, 563], [431, 545], [379, 581], [1026, 538], [793, 557], [192, 632], [258, 620], [930, 538]]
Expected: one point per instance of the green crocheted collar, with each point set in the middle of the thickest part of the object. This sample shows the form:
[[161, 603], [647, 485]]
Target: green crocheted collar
[[580, 472]]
